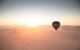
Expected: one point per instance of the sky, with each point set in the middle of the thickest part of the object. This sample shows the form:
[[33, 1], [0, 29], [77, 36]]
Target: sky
[[17, 11]]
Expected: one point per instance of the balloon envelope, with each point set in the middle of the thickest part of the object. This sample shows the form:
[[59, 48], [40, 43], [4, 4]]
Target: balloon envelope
[[56, 24]]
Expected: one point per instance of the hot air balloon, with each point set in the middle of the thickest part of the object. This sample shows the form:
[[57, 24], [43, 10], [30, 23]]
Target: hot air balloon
[[56, 24]]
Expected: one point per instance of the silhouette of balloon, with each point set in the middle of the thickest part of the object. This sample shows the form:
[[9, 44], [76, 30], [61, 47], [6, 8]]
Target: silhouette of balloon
[[56, 24]]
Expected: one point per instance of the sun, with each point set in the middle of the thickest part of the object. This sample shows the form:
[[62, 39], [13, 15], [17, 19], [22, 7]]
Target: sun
[[30, 21], [33, 22]]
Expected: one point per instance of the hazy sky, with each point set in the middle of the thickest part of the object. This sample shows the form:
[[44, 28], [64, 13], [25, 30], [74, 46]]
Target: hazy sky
[[65, 11]]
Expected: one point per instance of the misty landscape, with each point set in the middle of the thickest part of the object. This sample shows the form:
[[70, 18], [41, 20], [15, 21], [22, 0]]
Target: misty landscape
[[39, 24], [39, 38]]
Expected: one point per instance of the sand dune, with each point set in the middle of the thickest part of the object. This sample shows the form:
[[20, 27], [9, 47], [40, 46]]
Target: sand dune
[[40, 38]]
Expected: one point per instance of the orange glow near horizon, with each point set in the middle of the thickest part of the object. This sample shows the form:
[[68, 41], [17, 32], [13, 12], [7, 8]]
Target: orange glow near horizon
[[32, 22], [27, 21]]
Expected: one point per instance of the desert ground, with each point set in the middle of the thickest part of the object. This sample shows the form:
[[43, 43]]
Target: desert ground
[[39, 38]]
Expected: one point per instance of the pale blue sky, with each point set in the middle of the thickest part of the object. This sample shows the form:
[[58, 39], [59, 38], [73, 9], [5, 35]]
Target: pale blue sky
[[65, 11]]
